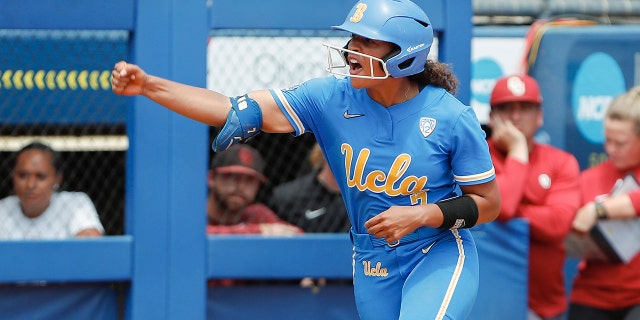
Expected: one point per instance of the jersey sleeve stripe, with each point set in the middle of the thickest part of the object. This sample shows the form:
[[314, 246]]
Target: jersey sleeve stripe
[[288, 111], [476, 177]]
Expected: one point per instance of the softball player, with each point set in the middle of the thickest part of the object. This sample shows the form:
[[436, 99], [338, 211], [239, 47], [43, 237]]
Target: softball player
[[411, 160]]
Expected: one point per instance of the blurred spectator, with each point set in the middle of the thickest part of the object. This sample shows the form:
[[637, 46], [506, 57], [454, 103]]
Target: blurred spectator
[[604, 290], [38, 210], [313, 201], [537, 182], [234, 179]]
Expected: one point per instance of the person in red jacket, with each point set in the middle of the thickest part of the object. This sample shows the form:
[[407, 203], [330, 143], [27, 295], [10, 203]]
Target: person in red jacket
[[537, 182], [234, 179], [604, 290]]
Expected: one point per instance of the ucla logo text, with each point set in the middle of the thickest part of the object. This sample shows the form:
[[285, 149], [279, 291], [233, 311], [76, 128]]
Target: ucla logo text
[[376, 271], [382, 182]]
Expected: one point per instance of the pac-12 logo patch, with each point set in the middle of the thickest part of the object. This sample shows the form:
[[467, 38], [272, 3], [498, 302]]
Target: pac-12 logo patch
[[427, 125]]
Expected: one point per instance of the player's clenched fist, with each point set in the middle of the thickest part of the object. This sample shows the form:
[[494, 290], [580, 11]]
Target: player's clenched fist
[[127, 79]]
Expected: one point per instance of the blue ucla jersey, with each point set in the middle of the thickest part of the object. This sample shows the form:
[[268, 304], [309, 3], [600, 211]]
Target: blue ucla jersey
[[416, 152]]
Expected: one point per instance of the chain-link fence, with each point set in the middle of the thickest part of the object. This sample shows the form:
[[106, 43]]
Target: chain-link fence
[[240, 61], [55, 88]]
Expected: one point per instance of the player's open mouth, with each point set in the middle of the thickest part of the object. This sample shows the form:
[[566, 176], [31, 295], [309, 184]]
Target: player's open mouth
[[354, 66]]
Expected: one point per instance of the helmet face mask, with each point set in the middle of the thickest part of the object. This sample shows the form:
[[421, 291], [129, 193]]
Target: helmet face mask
[[400, 22], [337, 65]]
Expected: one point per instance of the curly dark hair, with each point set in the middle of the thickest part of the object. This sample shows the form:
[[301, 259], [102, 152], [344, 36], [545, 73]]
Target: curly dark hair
[[437, 74]]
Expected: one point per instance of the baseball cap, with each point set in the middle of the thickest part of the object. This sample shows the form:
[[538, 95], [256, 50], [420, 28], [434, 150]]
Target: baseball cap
[[239, 159], [515, 88]]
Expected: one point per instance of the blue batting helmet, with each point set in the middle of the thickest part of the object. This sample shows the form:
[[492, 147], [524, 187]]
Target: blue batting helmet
[[401, 22]]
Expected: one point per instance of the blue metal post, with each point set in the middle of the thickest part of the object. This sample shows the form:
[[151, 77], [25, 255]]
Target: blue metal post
[[166, 166]]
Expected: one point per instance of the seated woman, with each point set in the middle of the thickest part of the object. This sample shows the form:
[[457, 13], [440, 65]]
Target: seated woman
[[38, 210]]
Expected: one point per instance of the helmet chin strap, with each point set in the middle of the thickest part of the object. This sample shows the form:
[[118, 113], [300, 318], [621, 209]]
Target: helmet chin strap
[[337, 66]]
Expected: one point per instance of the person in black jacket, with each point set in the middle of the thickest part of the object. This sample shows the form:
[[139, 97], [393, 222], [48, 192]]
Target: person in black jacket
[[312, 201]]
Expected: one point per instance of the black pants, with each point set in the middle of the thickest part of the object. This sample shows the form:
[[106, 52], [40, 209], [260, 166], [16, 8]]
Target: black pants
[[582, 312]]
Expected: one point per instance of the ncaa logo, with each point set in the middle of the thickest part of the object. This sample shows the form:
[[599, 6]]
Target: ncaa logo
[[484, 73], [598, 81], [427, 125]]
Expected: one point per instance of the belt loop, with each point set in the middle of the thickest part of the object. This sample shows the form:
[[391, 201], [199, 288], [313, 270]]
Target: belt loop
[[361, 240]]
